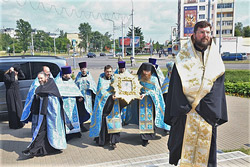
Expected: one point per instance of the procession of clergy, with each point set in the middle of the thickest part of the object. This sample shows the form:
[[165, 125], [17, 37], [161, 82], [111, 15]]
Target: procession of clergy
[[61, 108], [192, 102]]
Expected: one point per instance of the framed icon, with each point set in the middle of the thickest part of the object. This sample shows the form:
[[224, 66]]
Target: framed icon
[[126, 86]]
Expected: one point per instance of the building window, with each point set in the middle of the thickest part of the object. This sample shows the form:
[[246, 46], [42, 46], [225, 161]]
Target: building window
[[229, 15], [201, 7], [212, 7], [219, 15], [212, 15], [202, 0], [225, 23], [227, 31], [225, 5], [201, 16]]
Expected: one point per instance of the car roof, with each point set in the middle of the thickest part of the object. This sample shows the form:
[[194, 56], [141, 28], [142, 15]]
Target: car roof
[[27, 58]]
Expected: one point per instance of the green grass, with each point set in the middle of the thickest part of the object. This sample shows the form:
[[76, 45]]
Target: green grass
[[237, 62], [237, 76], [231, 75], [246, 151]]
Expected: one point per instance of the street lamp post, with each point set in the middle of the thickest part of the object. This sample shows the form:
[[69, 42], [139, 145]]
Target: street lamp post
[[122, 40], [113, 35], [220, 27], [32, 44], [133, 31], [55, 44]]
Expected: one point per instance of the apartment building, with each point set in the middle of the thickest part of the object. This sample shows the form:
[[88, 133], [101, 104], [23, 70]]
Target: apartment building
[[192, 11]]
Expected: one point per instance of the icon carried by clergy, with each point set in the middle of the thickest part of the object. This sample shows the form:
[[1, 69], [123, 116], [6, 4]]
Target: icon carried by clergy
[[126, 86]]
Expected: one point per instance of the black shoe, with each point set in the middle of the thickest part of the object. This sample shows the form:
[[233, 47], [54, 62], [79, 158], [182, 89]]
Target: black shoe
[[166, 132], [113, 145], [83, 128], [28, 155], [144, 143], [79, 135]]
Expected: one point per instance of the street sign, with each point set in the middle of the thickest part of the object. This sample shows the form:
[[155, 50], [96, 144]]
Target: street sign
[[73, 42]]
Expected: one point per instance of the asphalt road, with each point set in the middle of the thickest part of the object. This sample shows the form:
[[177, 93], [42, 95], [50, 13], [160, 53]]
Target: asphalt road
[[100, 61]]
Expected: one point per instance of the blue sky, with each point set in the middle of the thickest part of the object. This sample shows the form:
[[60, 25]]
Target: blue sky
[[155, 17]]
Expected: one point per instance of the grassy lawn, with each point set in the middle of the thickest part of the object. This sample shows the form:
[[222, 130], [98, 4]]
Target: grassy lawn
[[237, 62], [237, 76], [246, 151], [44, 54]]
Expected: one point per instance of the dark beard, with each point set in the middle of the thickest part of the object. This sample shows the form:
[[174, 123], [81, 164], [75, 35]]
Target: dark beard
[[202, 46], [145, 78]]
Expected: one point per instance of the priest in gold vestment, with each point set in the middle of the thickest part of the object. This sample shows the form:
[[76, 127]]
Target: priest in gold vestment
[[196, 102]]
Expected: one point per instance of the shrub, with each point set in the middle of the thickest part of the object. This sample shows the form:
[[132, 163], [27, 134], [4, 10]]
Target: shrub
[[238, 89]]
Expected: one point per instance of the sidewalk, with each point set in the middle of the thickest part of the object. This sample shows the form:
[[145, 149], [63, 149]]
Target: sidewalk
[[83, 151]]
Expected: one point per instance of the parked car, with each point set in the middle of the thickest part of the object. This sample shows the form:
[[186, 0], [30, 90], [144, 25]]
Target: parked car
[[233, 56], [91, 55], [102, 54], [31, 66], [75, 54], [118, 54]]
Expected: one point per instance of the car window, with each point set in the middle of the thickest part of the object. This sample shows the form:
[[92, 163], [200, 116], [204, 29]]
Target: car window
[[24, 67], [36, 67]]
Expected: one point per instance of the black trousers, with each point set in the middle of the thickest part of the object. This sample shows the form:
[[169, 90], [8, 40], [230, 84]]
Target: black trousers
[[40, 145]]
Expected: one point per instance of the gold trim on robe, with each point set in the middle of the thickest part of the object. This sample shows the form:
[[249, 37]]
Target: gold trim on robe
[[197, 80]]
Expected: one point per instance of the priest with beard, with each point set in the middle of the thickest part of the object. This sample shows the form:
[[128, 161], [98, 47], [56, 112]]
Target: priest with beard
[[106, 122], [87, 86], [70, 94], [151, 107], [27, 115], [49, 135], [196, 102]]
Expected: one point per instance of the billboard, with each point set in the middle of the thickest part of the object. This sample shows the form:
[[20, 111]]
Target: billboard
[[190, 19], [128, 42]]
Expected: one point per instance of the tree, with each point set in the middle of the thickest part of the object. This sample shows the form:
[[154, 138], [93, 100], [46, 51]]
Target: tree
[[23, 33], [5, 41], [246, 31], [85, 31], [238, 31], [61, 43], [157, 46], [42, 41], [137, 32], [106, 40], [97, 39]]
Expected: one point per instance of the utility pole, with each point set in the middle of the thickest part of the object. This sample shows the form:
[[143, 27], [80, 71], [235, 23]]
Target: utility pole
[[55, 44], [133, 31], [87, 43], [13, 47], [113, 35], [208, 17], [32, 44], [220, 28], [122, 41]]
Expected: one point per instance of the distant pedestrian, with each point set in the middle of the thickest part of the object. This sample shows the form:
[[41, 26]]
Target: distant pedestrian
[[13, 97], [132, 60]]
